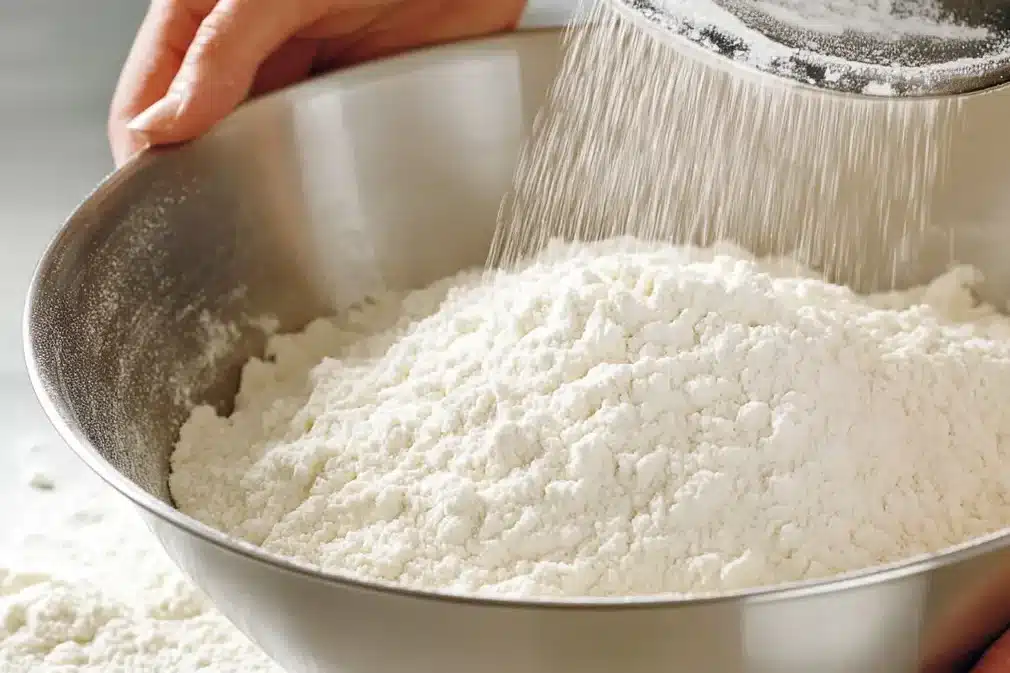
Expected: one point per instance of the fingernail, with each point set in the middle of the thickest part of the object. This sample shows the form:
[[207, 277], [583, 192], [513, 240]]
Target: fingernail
[[158, 117]]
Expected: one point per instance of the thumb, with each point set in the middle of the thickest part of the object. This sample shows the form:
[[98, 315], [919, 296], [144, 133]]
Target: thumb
[[996, 659], [220, 65]]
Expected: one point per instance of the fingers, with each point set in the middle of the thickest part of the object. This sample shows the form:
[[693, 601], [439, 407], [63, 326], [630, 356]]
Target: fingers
[[154, 59], [220, 65], [996, 659], [419, 23], [194, 61]]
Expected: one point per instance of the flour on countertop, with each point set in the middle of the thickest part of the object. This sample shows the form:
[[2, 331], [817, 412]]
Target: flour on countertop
[[615, 420], [91, 592], [39, 479]]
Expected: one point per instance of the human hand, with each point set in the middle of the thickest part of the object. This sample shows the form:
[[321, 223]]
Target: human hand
[[194, 61], [996, 659]]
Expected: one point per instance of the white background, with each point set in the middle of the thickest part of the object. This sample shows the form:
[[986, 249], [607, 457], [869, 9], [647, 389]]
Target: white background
[[58, 65]]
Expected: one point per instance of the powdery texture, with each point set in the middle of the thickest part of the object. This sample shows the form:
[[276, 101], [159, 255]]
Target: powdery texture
[[94, 593], [891, 18], [698, 18], [616, 421]]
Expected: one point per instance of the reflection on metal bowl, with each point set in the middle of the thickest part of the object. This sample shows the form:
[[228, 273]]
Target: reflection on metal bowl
[[392, 173]]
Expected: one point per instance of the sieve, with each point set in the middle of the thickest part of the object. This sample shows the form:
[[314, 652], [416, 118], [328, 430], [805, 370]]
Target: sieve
[[393, 172], [967, 48]]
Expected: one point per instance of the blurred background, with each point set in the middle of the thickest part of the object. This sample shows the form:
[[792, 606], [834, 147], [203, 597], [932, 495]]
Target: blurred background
[[58, 65]]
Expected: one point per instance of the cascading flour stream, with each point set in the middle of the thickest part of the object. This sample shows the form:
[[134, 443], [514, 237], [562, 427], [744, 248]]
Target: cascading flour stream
[[616, 419], [640, 138]]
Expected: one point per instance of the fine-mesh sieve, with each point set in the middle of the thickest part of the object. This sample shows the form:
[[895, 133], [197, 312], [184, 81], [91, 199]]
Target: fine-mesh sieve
[[967, 49]]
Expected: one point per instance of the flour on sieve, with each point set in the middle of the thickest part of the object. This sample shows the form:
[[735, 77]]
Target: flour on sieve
[[616, 421]]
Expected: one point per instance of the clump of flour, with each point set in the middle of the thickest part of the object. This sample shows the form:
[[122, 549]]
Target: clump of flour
[[616, 420]]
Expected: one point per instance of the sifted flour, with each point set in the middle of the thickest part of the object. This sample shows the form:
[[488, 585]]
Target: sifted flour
[[616, 419]]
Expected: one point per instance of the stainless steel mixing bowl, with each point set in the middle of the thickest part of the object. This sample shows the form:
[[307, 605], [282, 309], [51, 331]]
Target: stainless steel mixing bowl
[[153, 294]]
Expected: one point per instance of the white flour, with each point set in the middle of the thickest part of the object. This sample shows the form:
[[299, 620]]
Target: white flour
[[890, 18], [616, 422], [698, 18], [86, 589]]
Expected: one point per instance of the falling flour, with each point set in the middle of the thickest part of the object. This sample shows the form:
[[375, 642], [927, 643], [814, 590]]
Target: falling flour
[[616, 419]]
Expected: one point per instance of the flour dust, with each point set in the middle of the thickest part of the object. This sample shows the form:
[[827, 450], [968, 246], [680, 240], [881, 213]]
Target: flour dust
[[85, 588], [641, 139]]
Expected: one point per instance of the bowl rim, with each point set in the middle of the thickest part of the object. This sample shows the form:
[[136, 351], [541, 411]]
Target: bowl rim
[[73, 436]]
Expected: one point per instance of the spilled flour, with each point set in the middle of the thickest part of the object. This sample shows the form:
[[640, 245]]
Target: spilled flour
[[87, 589], [616, 419]]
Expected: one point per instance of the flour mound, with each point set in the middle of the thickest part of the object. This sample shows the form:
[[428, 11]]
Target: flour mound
[[616, 420]]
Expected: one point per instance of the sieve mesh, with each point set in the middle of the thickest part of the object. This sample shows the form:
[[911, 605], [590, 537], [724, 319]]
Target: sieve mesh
[[848, 60]]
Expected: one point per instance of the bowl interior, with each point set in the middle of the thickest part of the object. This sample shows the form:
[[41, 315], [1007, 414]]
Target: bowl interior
[[165, 280]]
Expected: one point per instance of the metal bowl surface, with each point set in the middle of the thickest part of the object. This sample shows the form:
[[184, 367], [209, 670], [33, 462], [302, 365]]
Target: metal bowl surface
[[153, 296]]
